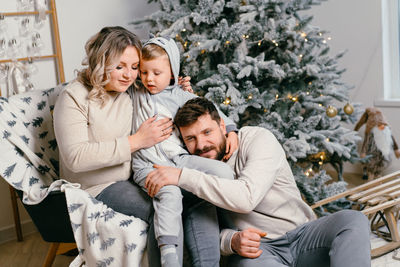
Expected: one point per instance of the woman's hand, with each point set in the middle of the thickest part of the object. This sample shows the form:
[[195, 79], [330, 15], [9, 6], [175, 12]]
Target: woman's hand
[[185, 84], [151, 132], [232, 143]]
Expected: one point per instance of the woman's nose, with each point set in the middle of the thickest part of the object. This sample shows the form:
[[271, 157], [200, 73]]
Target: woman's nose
[[126, 74]]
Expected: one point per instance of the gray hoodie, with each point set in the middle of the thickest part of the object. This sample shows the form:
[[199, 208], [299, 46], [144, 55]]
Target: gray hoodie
[[163, 104]]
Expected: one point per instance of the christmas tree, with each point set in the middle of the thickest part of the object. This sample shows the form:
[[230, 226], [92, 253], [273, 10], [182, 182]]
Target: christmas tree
[[264, 64]]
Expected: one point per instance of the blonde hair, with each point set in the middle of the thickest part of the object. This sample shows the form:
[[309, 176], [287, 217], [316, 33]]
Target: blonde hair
[[102, 50], [152, 51]]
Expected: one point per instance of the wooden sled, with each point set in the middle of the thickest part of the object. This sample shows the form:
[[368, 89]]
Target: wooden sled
[[379, 200]]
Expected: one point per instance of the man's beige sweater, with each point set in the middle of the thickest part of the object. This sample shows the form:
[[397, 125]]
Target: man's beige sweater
[[263, 195], [93, 140]]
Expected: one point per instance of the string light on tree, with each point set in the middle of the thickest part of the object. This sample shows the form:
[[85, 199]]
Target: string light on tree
[[227, 101]]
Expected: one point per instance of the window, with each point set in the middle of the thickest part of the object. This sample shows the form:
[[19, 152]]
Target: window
[[391, 52]]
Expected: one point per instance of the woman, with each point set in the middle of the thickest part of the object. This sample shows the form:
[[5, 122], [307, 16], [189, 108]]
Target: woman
[[92, 123]]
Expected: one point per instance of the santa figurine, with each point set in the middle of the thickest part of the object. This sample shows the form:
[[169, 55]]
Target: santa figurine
[[378, 143]]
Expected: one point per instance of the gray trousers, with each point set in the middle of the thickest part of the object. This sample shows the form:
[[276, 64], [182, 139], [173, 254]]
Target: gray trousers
[[338, 240], [167, 202]]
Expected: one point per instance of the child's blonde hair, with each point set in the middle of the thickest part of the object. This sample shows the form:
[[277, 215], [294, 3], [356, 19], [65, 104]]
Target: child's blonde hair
[[152, 51]]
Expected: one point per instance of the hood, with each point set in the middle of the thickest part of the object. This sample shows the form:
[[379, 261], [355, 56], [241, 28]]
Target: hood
[[169, 45]]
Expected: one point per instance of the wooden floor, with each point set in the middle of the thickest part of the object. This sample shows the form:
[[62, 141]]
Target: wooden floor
[[29, 253]]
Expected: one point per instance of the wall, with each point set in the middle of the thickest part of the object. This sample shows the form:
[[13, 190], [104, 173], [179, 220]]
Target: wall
[[78, 21], [354, 26]]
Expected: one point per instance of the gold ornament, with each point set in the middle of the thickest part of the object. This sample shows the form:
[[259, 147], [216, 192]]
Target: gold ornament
[[348, 109], [331, 111]]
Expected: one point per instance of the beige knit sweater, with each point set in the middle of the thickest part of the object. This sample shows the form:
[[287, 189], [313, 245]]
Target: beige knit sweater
[[263, 195], [93, 140]]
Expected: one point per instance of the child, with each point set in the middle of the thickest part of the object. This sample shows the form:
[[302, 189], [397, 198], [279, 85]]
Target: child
[[159, 69]]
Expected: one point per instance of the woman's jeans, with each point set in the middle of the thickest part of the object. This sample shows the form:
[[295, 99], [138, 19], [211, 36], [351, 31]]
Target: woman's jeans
[[128, 198], [199, 219]]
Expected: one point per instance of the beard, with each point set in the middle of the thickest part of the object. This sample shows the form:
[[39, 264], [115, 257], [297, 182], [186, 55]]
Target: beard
[[220, 149]]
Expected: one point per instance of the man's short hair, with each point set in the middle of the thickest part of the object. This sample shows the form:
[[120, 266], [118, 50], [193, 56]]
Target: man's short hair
[[193, 109]]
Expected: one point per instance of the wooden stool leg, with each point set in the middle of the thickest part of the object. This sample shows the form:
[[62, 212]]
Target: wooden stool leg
[[17, 220], [51, 254]]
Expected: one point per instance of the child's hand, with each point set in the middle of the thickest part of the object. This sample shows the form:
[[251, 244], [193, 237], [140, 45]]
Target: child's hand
[[232, 143], [185, 84]]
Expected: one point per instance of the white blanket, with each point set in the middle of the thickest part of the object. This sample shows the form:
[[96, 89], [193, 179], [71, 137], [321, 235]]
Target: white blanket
[[29, 162]]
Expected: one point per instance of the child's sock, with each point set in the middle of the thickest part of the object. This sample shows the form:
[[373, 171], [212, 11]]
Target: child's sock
[[169, 258]]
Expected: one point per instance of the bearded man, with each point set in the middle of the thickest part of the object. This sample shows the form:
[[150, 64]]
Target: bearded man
[[268, 222]]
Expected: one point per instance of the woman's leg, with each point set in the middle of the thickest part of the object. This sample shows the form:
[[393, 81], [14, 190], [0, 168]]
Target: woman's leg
[[128, 198]]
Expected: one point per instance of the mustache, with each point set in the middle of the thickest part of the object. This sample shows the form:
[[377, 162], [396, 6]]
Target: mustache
[[204, 150]]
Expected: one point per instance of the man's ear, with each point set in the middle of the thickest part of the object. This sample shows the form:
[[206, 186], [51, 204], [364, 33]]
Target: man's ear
[[222, 126]]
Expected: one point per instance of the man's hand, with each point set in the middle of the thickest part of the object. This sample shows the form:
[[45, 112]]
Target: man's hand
[[162, 175], [232, 143], [246, 243]]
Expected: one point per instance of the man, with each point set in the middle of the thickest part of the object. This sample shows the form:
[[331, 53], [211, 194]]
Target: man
[[274, 226]]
